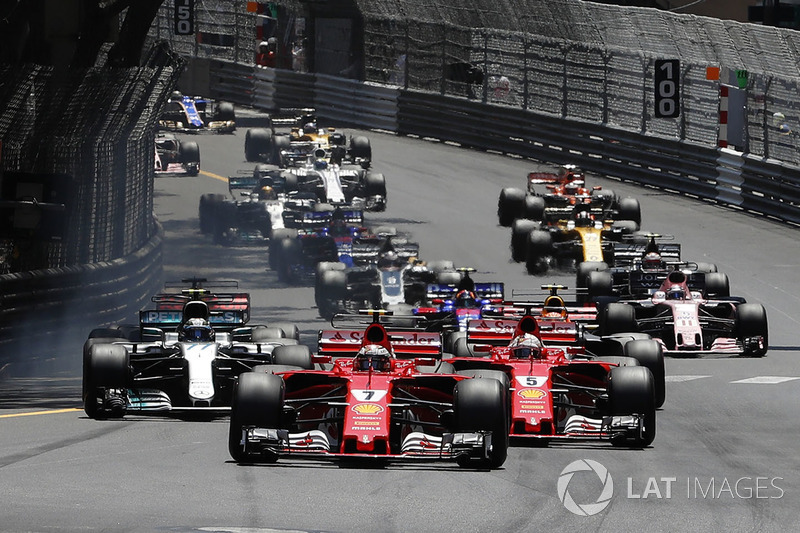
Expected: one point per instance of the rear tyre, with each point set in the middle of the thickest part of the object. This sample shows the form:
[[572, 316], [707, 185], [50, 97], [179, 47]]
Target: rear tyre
[[264, 334], [206, 211], [281, 143], [298, 356], [257, 144], [360, 148], [375, 184], [599, 283], [540, 248], [618, 318], [277, 237], [717, 285], [509, 205], [225, 111], [629, 209], [332, 293], [533, 208], [651, 356], [257, 402], [520, 229]]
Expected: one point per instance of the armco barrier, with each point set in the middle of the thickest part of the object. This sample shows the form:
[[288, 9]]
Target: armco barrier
[[768, 187], [39, 308]]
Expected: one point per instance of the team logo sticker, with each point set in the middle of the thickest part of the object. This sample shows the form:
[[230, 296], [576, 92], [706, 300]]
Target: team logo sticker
[[532, 394], [367, 408]]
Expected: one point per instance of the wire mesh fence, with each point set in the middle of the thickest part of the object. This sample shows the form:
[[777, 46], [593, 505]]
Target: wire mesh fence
[[568, 58], [97, 127]]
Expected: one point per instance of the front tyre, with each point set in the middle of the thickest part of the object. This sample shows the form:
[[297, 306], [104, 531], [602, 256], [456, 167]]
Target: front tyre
[[631, 391], [257, 402], [478, 406]]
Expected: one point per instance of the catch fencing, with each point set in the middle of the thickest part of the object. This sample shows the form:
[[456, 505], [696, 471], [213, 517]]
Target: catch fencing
[[87, 134], [569, 59]]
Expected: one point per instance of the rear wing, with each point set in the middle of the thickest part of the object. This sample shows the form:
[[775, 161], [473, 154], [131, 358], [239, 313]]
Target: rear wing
[[171, 319], [484, 291], [242, 183], [641, 281], [626, 253], [543, 177], [499, 332], [406, 344]]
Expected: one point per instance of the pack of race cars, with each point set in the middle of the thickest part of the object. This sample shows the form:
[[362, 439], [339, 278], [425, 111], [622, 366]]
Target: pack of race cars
[[421, 361]]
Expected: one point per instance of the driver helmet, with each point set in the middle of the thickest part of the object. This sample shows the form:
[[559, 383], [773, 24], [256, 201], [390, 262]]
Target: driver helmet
[[320, 164], [652, 261], [466, 299], [373, 356], [196, 330], [526, 346], [266, 193], [583, 219], [176, 95], [309, 128], [388, 259], [338, 226], [554, 307], [675, 293], [262, 46]]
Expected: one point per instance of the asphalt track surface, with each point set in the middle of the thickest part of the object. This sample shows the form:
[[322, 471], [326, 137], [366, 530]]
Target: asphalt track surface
[[724, 458]]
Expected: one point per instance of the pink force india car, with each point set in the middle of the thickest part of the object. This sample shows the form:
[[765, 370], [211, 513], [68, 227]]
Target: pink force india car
[[560, 391], [689, 323], [386, 397]]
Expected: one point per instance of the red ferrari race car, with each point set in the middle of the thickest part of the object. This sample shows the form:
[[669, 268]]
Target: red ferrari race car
[[565, 192], [688, 323], [374, 405], [562, 392], [570, 325]]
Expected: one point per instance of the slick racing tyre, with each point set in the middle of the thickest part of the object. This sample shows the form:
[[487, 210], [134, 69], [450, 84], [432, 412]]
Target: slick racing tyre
[[107, 368], [275, 240], [225, 111], [651, 356], [629, 209], [540, 248], [478, 405], [257, 144], [257, 402], [360, 148], [510, 205], [520, 229], [631, 391], [717, 285], [332, 293], [751, 321], [297, 356], [599, 283], [207, 211], [617, 318]]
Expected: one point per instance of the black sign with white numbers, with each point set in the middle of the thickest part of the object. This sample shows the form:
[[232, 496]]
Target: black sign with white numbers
[[668, 88], [184, 17]]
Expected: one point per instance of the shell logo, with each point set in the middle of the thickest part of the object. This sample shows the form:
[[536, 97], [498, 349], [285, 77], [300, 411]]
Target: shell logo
[[532, 394], [367, 408]]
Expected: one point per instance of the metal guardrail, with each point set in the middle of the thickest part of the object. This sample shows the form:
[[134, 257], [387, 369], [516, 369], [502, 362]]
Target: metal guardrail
[[39, 308], [764, 186]]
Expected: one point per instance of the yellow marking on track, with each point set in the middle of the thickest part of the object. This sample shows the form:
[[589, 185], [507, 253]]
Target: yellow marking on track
[[33, 413], [215, 176]]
